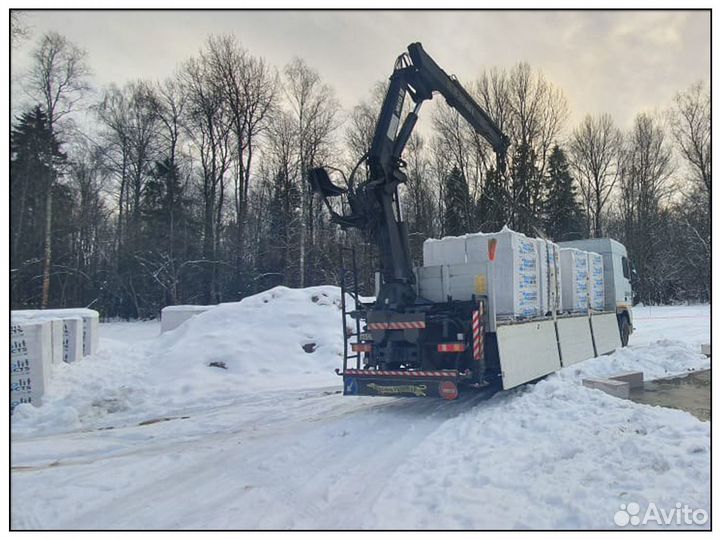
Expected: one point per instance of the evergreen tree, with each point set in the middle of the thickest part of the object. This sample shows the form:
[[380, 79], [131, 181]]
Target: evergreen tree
[[563, 216], [457, 204], [493, 204], [34, 162], [526, 191]]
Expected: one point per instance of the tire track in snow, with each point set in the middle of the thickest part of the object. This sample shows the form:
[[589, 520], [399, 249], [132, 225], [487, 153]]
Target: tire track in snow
[[322, 466]]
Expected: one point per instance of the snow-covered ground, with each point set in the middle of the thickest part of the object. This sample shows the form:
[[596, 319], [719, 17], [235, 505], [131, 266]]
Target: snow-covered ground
[[147, 435]]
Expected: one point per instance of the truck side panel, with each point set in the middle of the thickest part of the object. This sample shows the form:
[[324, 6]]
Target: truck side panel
[[527, 351], [575, 340]]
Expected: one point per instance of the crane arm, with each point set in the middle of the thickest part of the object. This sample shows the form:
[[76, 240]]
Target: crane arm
[[374, 204]]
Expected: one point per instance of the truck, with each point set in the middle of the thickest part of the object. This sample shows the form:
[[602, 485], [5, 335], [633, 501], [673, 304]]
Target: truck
[[617, 275], [435, 330]]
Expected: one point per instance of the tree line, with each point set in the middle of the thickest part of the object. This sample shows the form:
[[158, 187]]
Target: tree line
[[193, 189]]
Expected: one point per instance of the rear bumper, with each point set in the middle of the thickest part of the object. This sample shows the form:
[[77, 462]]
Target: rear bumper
[[362, 382]]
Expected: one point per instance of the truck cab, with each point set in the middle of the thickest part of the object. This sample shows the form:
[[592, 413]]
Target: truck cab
[[616, 275]]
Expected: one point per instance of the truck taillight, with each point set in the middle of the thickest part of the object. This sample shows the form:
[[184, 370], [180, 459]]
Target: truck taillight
[[451, 347], [361, 347]]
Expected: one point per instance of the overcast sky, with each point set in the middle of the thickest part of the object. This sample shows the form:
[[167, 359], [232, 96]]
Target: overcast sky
[[620, 62]]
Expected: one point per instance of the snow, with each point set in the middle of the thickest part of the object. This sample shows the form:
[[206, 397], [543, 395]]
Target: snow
[[255, 344], [146, 434]]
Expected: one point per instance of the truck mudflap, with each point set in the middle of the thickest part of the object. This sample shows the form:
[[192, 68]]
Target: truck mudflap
[[368, 382]]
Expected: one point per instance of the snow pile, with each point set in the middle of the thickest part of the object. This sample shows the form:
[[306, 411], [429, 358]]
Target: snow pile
[[281, 338], [664, 358], [549, 456]]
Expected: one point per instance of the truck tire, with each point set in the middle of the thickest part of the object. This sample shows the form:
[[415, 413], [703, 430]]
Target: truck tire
[[624, 324]]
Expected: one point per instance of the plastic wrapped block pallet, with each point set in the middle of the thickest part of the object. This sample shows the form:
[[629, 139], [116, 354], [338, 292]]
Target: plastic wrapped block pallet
[[549, 288], [515, 270], [173, 316], [597, 282], [574, 274], [90, 323], [448, 250], [543, 275], [30, 360]]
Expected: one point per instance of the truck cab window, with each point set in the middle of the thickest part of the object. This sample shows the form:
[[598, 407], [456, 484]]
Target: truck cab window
[[625, 268]]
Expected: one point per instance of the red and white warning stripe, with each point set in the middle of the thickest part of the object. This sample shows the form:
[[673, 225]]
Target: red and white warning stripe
[[478, 334], [405, 325], [382, 373]]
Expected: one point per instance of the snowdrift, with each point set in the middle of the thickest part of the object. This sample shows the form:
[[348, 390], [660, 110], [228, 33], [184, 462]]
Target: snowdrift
[[548, 456], [281, 338]]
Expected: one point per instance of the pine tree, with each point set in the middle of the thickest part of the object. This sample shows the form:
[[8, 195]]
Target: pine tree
[[563, 216], [493, 204], [526, 191], [35, 160], [457, 204]]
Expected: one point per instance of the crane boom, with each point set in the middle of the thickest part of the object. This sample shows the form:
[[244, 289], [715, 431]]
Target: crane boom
[[374, 203]]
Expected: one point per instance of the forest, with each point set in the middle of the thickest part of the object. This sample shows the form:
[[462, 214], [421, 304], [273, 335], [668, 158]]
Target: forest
[[193, 189]]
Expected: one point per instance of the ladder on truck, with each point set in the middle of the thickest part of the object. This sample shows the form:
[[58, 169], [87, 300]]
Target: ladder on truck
[[349, 286]]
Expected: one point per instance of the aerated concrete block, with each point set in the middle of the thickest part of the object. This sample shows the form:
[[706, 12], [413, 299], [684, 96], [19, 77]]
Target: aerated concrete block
[[173, 316], [635, 378], [619, 389]]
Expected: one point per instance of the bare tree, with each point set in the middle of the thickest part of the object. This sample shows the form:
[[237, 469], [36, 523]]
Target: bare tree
[[247, 85], [690, 122], [131, 121], [361, 123], [58, 80], [208, 126], [595, 153], [644, 186], [130, 118], [314, 109]]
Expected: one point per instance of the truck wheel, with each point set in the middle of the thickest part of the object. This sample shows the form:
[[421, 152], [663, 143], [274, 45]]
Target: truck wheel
[[624, 330]]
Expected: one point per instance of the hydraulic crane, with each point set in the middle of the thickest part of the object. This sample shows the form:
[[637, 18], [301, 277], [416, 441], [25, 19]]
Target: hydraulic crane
[[405, 329]]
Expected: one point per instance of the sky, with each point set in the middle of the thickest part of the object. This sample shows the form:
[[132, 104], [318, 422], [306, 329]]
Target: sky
[[619, 62]]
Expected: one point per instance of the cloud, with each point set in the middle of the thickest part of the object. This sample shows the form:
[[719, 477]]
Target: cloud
[[619, 62]]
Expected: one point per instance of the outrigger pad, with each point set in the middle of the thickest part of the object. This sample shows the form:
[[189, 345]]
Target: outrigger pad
[[321, 183]]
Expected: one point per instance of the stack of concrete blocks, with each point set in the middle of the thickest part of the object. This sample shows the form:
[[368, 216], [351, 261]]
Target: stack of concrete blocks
[[597, 282], [90, 326], [41, 338], [67, 333], [173, 316], [549, 273], [87, 319], [31, 352], [515, 270], [574, 275], [444, 251]]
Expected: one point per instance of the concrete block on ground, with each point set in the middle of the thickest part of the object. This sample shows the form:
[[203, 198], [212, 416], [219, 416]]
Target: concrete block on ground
[[90, 323], [619, 389], [705, 348], [73, 335], [57, 336], [635, 378], [173, 316], [30, 360]]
